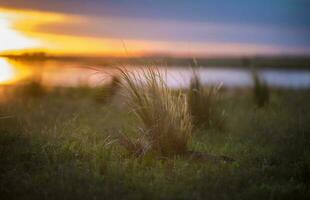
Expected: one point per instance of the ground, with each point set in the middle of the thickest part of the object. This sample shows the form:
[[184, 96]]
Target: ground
[[63, 145]]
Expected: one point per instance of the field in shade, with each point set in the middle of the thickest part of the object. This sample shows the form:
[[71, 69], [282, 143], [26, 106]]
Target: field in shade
[[63, 144]]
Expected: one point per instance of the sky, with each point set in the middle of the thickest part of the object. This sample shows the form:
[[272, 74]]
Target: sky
[[176, 27]]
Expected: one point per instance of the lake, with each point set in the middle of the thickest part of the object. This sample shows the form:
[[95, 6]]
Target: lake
[[64, 73]]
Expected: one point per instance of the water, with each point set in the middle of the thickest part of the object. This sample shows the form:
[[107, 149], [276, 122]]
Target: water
[[61, 73]]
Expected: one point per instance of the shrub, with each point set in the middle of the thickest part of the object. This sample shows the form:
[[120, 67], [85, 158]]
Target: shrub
[[32, 89], [260, 90], [106, 92], [202, 103], [166, 124]]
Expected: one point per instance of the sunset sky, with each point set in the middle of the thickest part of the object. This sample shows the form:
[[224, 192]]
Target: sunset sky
[[178, 27]]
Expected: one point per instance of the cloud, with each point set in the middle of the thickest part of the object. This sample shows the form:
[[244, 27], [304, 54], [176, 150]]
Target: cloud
[[165, 30], [283, 13], [73, 32]]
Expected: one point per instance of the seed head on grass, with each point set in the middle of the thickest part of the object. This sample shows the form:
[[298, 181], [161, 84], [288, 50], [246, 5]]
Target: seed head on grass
[[166, 123]]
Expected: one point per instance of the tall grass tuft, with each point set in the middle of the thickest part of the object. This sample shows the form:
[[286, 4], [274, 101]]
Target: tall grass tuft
[[166, 124], [202, 103], [261, 94], [106, 92]]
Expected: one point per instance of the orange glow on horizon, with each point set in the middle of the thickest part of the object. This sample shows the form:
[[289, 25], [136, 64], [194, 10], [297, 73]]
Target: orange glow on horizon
[[19, 30], [30, 31], [11, 39]]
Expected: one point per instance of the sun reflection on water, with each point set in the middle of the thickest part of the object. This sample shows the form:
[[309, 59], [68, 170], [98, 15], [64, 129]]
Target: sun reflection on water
[[7, 72], [11, 72]]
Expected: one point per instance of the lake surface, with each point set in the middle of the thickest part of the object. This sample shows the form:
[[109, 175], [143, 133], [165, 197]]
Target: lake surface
[[63, 73]]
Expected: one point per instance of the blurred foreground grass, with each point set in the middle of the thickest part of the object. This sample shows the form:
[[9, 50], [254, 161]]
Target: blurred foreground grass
[[62, 146]]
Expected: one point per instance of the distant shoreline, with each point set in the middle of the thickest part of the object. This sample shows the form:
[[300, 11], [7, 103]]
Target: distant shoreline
[[282, 62]]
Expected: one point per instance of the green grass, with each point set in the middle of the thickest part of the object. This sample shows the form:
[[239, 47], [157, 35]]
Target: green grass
[[63, 146]]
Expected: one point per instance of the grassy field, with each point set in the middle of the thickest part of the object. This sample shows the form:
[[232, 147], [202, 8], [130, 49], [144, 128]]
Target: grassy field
[[63, 145]]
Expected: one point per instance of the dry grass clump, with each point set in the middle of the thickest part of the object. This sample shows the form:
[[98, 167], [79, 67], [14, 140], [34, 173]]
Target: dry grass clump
[[166, 124], [261, 94], [202, 103], [106, 92]]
